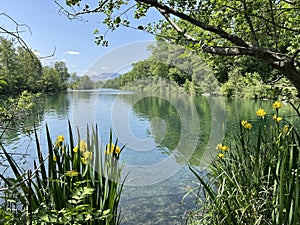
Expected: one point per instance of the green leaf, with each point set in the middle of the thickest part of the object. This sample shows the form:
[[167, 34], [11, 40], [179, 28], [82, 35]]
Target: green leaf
[[96, 31], [117, 20]]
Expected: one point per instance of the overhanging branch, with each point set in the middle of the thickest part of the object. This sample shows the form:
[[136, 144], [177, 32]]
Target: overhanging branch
[[225, 51], [176, 27], [217, 30], [16, 33]]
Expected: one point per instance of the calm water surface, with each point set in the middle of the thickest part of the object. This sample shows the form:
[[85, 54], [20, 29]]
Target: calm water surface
[[162, 132]]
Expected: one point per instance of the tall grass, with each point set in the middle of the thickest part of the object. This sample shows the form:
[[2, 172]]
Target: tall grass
[[256, 179], [74, 184]]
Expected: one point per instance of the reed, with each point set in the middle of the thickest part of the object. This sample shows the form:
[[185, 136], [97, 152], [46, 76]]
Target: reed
[[256, 179], [76, 183]]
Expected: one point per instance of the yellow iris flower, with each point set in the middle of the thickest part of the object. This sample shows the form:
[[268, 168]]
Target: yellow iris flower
[[260, 112], [277, 105]]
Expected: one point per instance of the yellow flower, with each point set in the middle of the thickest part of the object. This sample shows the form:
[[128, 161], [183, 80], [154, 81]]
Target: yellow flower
[[110, 148], [87, 155], [260, 112], [286, 128], [246, 125], [54, 158], [224, 148], [221, 147], [277, 105], [75, 149], [72, 173], [221, 156], [117, 150], [277, 118], [59, 140], [83, 146], [244, 122], [83, 160]]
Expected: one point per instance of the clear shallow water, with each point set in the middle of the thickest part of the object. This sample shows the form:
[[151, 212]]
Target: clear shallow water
[[162, 132]]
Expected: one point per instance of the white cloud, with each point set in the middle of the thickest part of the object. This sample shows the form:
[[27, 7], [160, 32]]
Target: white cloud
[[72, 53]]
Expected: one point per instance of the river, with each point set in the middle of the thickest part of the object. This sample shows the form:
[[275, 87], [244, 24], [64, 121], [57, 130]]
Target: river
[[163, 133]]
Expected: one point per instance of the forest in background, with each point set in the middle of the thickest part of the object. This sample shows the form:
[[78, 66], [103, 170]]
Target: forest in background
[[183, 70], [21, 69], [201, 73]]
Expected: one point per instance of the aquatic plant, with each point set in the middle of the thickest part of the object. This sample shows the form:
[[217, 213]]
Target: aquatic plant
[[257, 180], [74, 184]]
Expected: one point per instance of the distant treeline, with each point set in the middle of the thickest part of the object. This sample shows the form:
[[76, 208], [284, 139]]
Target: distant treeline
[[83, 83], [198, 73], [21, 69]]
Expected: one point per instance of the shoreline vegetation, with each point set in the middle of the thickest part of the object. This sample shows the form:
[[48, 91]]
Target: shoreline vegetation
[[78, 182], [255, 176], [182, 71], [21, 70], [194, 73]]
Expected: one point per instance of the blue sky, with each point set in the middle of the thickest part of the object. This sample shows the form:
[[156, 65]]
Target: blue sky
[[73, 40]]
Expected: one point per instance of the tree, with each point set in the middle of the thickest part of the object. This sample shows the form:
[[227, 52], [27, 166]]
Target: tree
[[85, 83], [9, 66], [73, 80], [51, 81], [21, 70], [266, 30], [30, 70], [62, 69]]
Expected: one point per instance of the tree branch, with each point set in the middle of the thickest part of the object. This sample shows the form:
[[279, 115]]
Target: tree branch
[[84, 11], [176, 27], [266, 20], [273, 23], [16, 33], [217, 30], [237, 50], [289, 2], [295, 108], [255, 40]]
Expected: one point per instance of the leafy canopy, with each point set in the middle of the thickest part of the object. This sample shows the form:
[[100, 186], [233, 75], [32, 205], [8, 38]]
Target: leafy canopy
[[264, 29]]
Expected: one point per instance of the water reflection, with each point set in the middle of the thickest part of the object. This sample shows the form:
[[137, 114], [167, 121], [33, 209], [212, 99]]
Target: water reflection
[[163, 132], [198, 121]]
